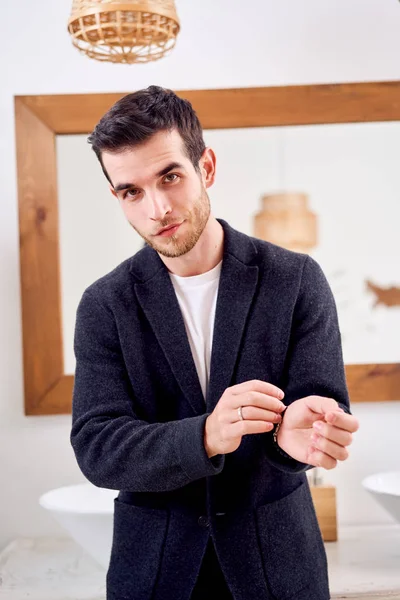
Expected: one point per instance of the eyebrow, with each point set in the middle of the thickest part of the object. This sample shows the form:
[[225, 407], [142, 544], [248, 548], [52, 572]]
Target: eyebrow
[[164, 171]]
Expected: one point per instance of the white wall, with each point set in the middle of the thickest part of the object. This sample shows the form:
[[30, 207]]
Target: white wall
[[289, 42]]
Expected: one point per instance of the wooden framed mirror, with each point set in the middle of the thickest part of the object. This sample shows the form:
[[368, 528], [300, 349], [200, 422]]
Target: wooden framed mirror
[[39, 119]]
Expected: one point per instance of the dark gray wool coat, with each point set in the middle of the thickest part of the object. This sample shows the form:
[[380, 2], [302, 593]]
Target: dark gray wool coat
[[139, 417]]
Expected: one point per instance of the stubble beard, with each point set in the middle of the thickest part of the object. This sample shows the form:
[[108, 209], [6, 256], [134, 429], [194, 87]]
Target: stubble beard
[[176, 244]]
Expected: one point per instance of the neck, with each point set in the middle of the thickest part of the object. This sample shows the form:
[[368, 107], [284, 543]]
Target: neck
[[204, 256]]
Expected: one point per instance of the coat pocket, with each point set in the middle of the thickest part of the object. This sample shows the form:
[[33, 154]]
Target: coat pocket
[[291, 545], [138, 542]]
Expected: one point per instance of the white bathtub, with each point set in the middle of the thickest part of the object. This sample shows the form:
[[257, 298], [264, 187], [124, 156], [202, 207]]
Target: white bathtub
[[385, 488], [86, 513]]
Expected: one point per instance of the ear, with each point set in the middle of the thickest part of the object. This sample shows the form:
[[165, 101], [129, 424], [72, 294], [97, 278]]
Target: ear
[[207, 164]]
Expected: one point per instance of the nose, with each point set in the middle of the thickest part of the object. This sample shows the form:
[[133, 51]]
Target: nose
[[159, 206]]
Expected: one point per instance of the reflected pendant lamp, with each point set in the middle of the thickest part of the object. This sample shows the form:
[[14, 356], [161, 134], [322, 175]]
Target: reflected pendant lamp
[[133, 31]]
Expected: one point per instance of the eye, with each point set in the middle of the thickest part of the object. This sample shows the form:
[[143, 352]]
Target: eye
[[130, 193], [175, 177]]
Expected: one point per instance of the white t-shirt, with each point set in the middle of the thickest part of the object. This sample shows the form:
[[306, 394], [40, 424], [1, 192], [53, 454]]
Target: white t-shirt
[[197, 297]]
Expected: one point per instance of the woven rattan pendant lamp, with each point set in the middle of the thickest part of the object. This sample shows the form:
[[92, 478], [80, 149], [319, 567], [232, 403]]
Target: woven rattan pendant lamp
[[132, 31]]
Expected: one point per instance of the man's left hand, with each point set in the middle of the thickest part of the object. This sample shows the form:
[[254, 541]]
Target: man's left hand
[[316, 431]]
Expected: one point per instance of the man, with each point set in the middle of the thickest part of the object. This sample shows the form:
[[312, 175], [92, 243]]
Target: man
[[209, 378]]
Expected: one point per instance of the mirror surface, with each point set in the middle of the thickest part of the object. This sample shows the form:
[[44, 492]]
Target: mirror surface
[[349, 175]]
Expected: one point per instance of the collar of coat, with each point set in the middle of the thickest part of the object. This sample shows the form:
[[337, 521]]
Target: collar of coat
[[146, 263], [237, 287]]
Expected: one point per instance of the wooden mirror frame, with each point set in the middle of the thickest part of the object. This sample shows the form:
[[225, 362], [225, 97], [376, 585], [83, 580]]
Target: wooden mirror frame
[[38, 119]]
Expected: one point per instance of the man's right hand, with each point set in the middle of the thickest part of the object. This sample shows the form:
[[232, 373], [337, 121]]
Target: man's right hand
[[261, 409]]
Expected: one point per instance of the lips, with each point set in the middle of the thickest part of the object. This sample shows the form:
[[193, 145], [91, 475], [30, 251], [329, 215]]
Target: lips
[[168, 228]]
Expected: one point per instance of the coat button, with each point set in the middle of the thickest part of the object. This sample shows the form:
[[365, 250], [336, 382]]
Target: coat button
[[203, 521]]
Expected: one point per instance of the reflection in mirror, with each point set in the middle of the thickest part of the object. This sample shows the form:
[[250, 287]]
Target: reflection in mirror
[[348, 177]]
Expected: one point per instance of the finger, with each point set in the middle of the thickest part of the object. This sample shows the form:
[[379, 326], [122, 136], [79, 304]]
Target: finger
[[340, 436], [252, 413], [257, 385], [343, 421], [320, 459], [330, 448], [258, 400], [321, 404], [241, 428]]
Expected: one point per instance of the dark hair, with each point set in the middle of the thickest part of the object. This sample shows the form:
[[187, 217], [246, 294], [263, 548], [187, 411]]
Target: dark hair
[[138, 116]]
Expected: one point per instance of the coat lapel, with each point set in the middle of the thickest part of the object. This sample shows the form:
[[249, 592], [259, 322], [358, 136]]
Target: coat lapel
[[160, 305], [157, 298], [237, 286]]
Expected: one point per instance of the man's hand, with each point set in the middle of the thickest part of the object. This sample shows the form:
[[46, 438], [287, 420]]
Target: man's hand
[[261, 408], [316, 431]]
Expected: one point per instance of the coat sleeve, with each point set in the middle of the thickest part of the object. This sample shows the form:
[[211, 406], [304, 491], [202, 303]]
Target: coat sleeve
[[314, 363], [115, 449]]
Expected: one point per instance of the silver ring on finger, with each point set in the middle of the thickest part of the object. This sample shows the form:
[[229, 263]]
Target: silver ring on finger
[[240, 413]]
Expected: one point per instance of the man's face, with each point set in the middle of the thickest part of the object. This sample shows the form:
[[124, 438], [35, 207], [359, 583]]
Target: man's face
[[157, 186]]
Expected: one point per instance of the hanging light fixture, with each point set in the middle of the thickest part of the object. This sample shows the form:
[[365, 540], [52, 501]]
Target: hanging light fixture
[[131, 31]]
